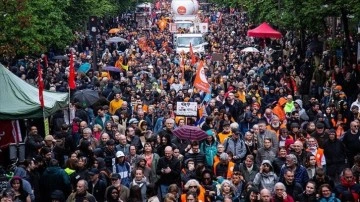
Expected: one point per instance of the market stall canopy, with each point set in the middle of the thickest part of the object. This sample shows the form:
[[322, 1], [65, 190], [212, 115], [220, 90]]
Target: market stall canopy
[[20, 100], [264, 31]]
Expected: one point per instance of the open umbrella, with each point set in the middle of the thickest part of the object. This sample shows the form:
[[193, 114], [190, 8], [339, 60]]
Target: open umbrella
[[114, 30], [190, 133], [86, 97], [84, 68], [112, 69], [250, 50], [116, 40], [143, 72], [60, 57]]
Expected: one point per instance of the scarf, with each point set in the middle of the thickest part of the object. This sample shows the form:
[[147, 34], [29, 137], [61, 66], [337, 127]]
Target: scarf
[[140, 183]]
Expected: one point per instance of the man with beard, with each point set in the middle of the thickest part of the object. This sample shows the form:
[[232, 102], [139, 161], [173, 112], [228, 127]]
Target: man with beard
[[313, 148], [33, 143], [264, 133], [275, 125], [81, 193], [352, 142]]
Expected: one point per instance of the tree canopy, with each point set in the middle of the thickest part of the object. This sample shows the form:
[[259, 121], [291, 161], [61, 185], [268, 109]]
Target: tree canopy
[[31, 27]]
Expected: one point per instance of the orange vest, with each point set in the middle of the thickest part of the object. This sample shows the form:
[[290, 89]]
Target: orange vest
[[229, 173], [223, 136], [201, 196], [318, 156]]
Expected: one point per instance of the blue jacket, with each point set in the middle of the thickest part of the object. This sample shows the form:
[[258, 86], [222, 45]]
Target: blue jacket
[[124, 170], [210, 151], [301, 175]]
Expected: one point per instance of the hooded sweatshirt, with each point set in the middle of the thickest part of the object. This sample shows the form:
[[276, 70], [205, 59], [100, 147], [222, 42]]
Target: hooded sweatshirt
[[279, 109], [266, 180], [302, 112]]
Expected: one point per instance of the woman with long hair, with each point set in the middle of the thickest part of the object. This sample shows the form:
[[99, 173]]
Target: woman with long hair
[[113, 194], [310, 165], [151, 159], [135, 194], [16, 184], [309, 195]]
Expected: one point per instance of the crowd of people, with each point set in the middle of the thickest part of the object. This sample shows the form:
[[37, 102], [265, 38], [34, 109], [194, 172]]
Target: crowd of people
[[281, 127]]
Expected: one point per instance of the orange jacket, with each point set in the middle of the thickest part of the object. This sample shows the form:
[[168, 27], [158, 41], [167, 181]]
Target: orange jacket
[[201, 196], [222, 136], [229, 173], [318, 156], [279, 109]]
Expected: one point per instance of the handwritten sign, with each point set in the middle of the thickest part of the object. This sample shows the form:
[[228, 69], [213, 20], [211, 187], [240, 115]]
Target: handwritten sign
[[186, 108]]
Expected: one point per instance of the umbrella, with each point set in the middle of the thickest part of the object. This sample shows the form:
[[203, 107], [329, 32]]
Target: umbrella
[[86, 97], [112, 69], [84, 68], [60, 57], [190, 133], [114, 30], [250, 50], [116, 40], [143, 72]]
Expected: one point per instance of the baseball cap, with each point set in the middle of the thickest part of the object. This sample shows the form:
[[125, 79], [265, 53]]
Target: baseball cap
[[94, 171], [119, 154], [115, 176]]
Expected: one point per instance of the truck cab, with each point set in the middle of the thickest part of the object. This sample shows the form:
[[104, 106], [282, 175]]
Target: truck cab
[[182, 43]]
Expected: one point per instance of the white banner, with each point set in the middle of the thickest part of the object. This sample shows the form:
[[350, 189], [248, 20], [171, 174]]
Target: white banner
[[186, 108]]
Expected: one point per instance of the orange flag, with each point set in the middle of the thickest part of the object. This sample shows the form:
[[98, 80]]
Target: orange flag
[[182, 66], [193, 59], [200, 81]]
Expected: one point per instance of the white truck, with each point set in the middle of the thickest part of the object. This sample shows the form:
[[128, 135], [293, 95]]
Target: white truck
[[182, 43]]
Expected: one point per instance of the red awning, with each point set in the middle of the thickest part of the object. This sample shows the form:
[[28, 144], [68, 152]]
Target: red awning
[[264, 31]]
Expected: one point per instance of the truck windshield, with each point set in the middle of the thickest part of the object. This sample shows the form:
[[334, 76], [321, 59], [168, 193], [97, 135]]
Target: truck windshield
[[185, 41], [183, 25]]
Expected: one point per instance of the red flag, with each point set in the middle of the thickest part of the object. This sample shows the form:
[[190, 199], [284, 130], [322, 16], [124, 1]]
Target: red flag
[[71, 81], [40, 85], [200, 81], [193, 59]]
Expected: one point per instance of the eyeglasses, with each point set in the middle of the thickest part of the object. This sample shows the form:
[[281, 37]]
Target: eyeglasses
[[193, 187]]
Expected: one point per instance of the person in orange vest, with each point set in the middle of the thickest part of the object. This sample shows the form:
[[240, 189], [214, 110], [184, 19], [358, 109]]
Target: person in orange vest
[[275, 125], [313, 148], [193, 186], [224, 168], [225, 133], [220, 150]]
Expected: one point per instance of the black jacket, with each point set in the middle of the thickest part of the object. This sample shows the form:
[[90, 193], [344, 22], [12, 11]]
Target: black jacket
[[334, 152], [168, 178], [98, 190]]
